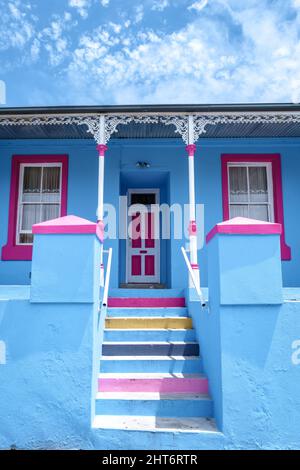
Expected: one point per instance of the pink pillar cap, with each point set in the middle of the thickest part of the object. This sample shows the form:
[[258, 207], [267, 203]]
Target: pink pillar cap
[[70, 224], [244, 226], [102, 149], [191, 149]]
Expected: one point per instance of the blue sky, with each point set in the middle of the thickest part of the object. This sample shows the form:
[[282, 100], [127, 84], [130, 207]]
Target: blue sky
[[67, 52]]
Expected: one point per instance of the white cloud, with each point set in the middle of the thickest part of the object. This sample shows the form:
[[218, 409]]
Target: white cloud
[[234, 53], [139, 13], [104, 3], [115, 27], [17, 27], [199, 5], [160, 5], [81, 6], [248, 57]]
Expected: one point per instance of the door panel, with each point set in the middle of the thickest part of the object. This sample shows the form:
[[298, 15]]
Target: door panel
[[143, 244], [136, 265], [150, 265]]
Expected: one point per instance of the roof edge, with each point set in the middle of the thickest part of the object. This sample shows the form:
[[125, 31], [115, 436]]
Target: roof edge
[[165, 108]]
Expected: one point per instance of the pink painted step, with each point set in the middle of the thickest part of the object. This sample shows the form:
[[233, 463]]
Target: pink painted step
[[162, 385], [146, 302]]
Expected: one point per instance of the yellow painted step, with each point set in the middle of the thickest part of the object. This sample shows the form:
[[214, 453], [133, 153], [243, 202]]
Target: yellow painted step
[[129, 323]]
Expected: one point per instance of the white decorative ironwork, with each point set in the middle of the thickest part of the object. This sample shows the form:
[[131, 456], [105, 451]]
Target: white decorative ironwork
[[180, 121], [112, 122], [92, 122], [181, 124]]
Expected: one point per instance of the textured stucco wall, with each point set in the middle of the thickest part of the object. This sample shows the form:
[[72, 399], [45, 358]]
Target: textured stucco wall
[[45, 385]]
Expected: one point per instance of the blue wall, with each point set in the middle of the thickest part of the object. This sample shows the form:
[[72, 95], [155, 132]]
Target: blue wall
[[165, 157], [251, 353]]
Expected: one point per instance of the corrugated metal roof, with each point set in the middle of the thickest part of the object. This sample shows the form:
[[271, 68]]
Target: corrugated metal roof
[[151, 131], [159, 130]]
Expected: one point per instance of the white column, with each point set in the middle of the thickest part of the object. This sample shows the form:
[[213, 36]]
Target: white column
[[100, 207], [191, 149]]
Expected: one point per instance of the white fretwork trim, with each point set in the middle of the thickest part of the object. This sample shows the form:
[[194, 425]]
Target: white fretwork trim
[[181, 124], [93, 123], [112, 123], [179, 121]]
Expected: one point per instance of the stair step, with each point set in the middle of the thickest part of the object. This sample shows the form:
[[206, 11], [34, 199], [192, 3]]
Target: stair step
[[146, 302], [150, 349], [149, 335], [149, 375], [152, 364], [155, 383], [154, 404], [145, 322], [145, 293], [147, 312], [155, 424]]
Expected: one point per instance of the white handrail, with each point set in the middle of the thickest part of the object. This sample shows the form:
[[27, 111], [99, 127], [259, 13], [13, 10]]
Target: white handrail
[[107, 278], [196, 284]]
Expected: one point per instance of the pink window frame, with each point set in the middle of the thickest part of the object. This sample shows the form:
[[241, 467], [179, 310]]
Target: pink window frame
[[275, 160], [11, 251]]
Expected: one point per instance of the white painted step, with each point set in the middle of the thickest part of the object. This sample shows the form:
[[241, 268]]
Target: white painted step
[[154, 375], [121, 343], [155, 424], [150, 396]]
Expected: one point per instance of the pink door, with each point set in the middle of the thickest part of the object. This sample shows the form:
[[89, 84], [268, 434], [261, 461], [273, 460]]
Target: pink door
[[143, 241]]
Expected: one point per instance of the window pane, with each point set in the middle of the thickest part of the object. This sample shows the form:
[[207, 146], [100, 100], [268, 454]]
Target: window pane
[[30, 215], [238, 184], [51, 184], [239, 210], [49, 212], [258, 183], [259, 212], [145, 199], [26, 238], [31, 184]]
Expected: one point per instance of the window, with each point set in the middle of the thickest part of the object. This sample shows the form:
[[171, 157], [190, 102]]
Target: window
[[250, 191], [39, 197], [252, 188], [38, 193], [145, 199]]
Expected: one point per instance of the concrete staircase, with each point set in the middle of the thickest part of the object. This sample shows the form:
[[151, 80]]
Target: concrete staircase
[[151, 376]]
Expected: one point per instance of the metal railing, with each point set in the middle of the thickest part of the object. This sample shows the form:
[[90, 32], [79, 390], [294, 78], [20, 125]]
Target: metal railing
[[107, 278], [192, 275]]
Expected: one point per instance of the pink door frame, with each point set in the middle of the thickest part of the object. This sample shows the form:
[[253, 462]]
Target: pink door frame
[[143, 256]]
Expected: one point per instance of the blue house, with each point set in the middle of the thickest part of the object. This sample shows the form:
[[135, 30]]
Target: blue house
[[150, 260]]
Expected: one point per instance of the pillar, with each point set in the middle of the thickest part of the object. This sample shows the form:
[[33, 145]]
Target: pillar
[[191, 149]]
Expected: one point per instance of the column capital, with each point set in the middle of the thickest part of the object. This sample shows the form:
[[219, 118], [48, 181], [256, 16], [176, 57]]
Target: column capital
[[102, 149], [191, 149]]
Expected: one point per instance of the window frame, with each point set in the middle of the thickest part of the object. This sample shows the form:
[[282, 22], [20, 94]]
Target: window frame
[[14, 251], [270, 202], [274, 160]]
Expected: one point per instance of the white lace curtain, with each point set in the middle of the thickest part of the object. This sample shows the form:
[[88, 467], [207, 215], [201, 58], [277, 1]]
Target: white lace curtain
[[249, 195], [40, 196]]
